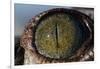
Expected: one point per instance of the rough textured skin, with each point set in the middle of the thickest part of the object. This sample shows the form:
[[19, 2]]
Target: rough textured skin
[[31, 55]]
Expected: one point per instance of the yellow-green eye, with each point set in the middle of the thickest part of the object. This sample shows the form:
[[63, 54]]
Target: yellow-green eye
[[58, 35]]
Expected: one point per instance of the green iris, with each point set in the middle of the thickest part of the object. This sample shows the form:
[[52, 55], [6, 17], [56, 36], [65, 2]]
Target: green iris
[[55, 36]]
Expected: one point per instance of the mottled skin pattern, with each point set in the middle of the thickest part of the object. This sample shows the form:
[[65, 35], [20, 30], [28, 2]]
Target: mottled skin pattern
[[31, 56]]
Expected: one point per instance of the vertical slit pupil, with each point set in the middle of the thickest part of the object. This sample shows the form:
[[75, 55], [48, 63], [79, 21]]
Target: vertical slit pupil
[[56, 33]]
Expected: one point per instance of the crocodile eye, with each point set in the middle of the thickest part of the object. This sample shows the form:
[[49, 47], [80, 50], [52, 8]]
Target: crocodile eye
[[58, 35]]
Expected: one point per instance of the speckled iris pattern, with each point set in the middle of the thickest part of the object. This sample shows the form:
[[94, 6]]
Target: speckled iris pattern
[[58, 36]]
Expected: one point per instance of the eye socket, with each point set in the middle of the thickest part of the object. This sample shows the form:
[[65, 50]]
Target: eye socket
[[59, 35]]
